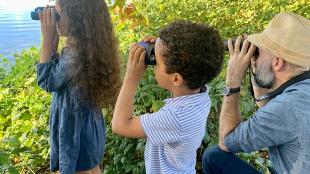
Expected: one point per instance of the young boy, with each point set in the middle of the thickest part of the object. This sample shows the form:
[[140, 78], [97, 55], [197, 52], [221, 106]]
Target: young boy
[[188, 56]]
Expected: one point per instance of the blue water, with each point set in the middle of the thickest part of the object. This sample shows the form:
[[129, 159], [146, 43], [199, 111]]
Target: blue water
[[17, 30]]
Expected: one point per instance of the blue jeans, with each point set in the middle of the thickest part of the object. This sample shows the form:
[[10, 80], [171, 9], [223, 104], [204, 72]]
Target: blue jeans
[[217, 161]]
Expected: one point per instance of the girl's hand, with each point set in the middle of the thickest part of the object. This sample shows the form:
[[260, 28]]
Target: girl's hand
[[49, 34], [48, 26], [135, 65]]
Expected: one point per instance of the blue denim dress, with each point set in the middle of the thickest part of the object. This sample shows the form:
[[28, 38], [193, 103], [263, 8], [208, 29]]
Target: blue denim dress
[[77, 133]]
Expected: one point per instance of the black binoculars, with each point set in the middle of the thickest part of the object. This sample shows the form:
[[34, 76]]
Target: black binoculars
[[35, 13], [150, 53]]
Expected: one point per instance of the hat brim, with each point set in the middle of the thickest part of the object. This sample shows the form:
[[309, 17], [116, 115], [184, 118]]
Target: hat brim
[[261, 41], [257, 40]]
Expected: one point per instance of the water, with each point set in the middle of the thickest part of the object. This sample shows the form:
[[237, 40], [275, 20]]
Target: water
[[17, 30]]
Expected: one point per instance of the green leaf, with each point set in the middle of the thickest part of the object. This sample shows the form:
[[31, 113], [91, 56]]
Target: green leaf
[[12, 170], [4, 158]]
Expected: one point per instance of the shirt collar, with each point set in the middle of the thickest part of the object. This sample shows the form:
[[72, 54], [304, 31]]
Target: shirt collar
[[188, 100]]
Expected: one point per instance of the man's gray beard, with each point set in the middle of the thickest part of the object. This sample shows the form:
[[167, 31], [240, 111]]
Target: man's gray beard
[[264, 77]]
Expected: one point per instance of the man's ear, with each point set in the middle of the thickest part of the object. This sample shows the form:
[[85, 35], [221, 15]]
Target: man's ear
[[176, 79], [278, 64]]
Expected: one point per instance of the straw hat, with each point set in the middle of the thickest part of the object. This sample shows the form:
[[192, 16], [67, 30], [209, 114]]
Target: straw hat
[[287, 36]]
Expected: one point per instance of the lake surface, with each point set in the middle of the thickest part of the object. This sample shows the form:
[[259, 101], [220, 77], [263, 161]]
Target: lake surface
[[17, 30]]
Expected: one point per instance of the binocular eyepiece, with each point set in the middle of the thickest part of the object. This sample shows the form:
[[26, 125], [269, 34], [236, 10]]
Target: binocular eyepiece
[[150, 53], [35, 13]]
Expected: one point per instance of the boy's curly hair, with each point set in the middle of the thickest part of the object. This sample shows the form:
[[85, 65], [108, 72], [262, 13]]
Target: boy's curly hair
[[95, 72], [193, 50]]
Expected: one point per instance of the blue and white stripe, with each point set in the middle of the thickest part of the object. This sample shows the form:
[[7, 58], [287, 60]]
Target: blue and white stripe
[[174, 133]]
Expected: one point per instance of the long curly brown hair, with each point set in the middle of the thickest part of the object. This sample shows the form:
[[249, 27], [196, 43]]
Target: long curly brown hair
[[96, 71]]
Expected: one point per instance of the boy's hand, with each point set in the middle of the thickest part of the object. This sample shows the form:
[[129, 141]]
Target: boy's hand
[[123, 122], [149, 38], [135, 65]]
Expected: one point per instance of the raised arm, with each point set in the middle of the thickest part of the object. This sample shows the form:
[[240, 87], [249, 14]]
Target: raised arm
[[239, 61], [123, 122], [49, 34]]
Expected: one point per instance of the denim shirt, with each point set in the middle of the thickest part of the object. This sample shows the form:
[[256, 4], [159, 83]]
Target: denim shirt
[[282, 126], [77, 133]]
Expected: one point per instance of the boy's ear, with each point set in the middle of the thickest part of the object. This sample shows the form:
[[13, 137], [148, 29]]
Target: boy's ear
[[176, 79]]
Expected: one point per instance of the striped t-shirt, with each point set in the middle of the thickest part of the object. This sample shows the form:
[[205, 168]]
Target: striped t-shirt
[[174, 133]]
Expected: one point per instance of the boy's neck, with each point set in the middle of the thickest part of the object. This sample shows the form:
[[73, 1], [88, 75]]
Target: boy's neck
[[181, 91]]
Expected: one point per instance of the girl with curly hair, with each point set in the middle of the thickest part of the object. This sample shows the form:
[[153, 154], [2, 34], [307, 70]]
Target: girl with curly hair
[[84, 79]]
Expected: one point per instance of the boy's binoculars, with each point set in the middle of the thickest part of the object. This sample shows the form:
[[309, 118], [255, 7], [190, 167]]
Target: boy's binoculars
[[150, 53]]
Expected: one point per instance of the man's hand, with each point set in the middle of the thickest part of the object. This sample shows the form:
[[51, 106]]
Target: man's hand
[[239, 61]]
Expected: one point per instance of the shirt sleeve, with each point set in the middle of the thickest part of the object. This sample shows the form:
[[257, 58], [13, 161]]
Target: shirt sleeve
[[161, 127], [273, 124], [53, 75]]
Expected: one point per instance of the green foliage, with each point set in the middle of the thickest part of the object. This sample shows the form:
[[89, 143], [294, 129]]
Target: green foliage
[[24, 107], [23, 117], [231, 17], [123, 155]]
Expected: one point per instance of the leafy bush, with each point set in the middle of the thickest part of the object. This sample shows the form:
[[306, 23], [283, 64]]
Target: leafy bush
[[23, 117]]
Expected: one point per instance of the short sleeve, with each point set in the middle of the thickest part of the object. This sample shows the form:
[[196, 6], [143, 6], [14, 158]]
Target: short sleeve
[[53, 75], [274, 124], [161, 127]]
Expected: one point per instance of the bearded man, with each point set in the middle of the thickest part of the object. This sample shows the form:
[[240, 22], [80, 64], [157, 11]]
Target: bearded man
[[281, 84]]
